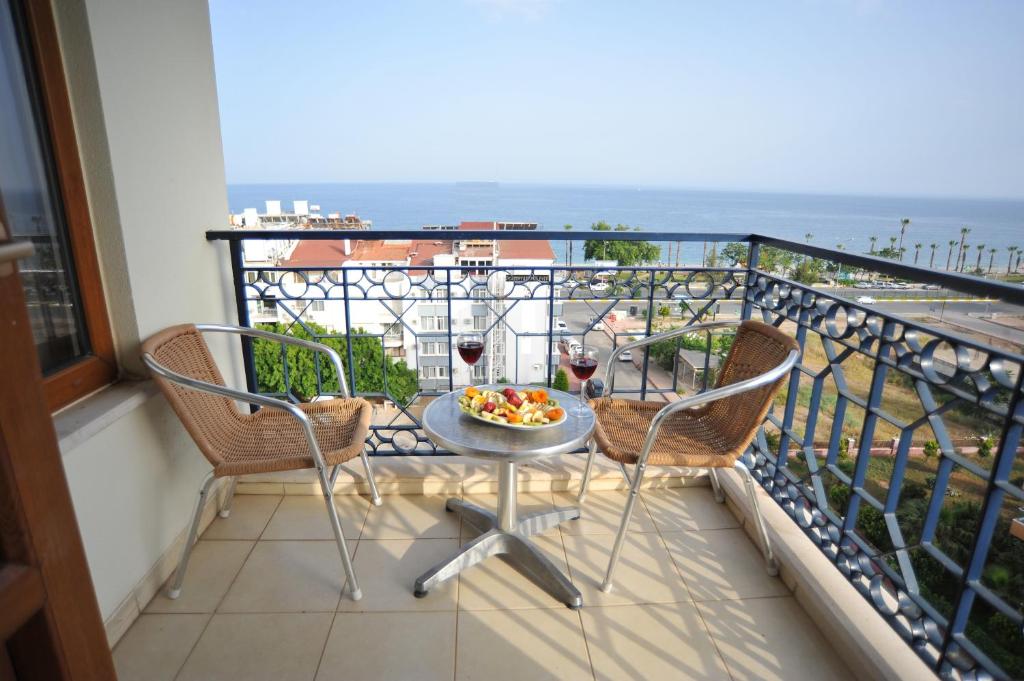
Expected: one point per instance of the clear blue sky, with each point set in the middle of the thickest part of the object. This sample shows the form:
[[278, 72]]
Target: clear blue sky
[[877, 97]]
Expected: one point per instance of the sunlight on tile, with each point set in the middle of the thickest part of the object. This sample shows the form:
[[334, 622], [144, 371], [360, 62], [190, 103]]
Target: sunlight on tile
[[390, 645], [651, 642], [388, 568], [771, 639], [494, 584], [721, 564], [263, 647], [411, 517], [249, 516], [602, 513], [688, 508], [521, 644], [305, 517], [645, 573], [288, 576]]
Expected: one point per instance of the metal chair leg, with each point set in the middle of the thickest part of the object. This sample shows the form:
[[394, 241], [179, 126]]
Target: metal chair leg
[[586, 472], [716, 486], [627, 514], [770, 564], [339, 537], [229, 496], [193, 532], [374, 494]]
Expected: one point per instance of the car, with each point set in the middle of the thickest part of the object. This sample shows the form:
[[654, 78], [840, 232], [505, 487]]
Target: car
[[599, 286], [932, 287], [560, 326], [626, 356], [866, 300]]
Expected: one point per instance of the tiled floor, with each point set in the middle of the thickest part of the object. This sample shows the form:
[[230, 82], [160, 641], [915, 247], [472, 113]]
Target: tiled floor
[[263, 599]]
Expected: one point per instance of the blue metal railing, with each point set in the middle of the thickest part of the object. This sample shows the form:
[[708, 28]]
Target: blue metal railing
[[915, 514]]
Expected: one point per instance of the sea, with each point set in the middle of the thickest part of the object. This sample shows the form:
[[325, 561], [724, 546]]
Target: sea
[[826, 220]]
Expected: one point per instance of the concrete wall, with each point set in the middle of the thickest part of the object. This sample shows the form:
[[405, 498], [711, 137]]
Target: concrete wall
[[143, 92]]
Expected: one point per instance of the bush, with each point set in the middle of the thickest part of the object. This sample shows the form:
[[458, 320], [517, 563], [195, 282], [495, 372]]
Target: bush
[[931, 448], [985, 445], [561, 381]]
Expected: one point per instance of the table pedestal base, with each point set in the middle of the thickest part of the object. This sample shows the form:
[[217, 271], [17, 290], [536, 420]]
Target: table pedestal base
[[505, 534]]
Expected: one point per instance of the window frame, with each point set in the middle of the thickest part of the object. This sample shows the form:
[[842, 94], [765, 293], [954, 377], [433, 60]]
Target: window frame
[[99, 367]]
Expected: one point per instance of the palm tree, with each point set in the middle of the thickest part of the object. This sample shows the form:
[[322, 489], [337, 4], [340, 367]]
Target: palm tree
[[917, 252], [1009, 260], [931, 263], [808, 237], [964, 231], [991, 258], [904, 223], [981, 249], [873, 240], [1016, 265], [962, 258], [568, 245], [949, 256]]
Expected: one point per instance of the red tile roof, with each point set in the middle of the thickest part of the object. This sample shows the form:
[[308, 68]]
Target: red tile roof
[[317, 254], [470, 225], [525, 250]]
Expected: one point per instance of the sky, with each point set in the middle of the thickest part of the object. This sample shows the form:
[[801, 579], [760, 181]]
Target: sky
[[825, 96]]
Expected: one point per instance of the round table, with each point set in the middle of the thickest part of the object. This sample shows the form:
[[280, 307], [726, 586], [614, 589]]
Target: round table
[[505, 532]]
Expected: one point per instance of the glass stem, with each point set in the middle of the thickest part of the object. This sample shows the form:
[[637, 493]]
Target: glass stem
[[583, 390]]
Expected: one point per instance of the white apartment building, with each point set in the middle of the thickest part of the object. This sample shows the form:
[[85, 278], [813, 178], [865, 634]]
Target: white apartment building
[[411, 307]]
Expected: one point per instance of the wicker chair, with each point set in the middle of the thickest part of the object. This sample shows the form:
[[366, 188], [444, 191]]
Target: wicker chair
[[281, 436], [708, 430]]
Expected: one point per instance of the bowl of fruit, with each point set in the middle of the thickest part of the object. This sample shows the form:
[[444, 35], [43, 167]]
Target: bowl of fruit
[[522, 409]]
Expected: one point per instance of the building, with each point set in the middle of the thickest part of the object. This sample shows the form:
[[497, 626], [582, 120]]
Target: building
[[303, 216], [410, 311]]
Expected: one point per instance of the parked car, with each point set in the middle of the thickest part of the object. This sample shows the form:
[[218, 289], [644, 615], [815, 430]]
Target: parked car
[[626, 356], [862, 284], [560, 326], [866, 300], [932, 287], [599, 286]]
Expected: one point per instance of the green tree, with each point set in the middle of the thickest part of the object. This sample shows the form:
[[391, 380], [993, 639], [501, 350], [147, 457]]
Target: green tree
[[735, 253], [368, 357], [626, 253], [904, 223], [964, 231], [931, 449], [561, 381]]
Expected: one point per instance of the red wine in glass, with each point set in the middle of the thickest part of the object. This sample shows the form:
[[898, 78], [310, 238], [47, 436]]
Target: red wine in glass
[[470, 346], [583, 363], [470, 351], [583, 367]]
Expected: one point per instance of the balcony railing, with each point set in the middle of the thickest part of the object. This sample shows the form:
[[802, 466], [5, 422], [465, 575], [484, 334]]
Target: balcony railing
[[895, 444]]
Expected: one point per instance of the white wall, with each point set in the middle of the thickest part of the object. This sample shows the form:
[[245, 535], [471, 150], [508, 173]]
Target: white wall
[[143, 93]]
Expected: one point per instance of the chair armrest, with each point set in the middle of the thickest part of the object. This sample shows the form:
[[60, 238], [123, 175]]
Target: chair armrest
[[609, 378], [286, 340], [241, 396], [701, 399]]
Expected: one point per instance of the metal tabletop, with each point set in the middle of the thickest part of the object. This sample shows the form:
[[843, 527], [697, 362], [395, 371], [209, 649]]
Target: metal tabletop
[[449, 427]]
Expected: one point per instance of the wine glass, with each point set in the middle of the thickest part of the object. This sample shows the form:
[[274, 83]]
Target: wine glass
[[583, 362], [471, 347]]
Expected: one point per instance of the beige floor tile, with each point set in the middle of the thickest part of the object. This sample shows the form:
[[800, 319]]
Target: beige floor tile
[[665, 641], [411, 517], [771, 639], [495, 584], [289, 576], [688, 508], [156, 646], [521, 644], [211, 569], [248, 518], [645, 572], [275, 647], [388, 568], [722, 564], [305, 517], [390, 645], [602, 513], [526, 503]]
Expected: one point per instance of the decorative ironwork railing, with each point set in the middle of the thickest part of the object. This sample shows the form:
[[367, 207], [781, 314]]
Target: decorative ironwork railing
[[895, 444]]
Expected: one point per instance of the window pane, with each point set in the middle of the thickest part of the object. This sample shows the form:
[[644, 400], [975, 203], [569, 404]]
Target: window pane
[[31, 209]]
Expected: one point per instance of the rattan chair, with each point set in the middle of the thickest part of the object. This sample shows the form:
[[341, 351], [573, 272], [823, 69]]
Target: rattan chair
[[280, 436], [709, 430]]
